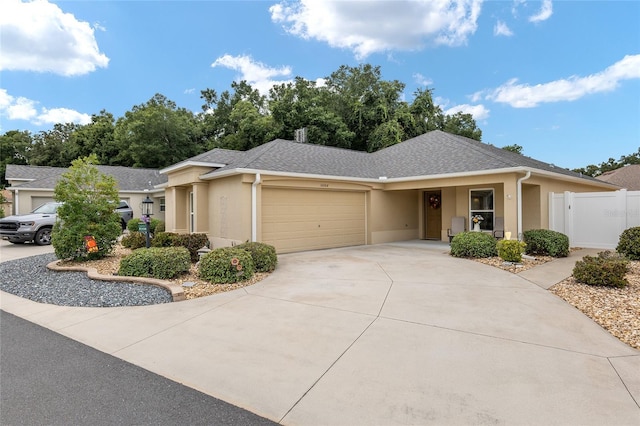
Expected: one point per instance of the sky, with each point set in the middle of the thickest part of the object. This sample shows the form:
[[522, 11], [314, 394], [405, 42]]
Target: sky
[[559, 78]]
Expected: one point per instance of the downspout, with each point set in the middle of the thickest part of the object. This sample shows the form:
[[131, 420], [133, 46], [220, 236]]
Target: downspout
[[254, 208], [16, 202], [519, 195]]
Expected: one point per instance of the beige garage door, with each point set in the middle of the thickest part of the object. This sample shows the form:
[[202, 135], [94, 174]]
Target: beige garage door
[[38, 201], [297, 220]]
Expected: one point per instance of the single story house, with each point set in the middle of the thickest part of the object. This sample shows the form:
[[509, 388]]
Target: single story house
[[33, 186], [298, 196], [627, 177]]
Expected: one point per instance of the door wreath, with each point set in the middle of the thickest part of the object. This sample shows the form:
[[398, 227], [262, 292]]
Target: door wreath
[[434, 201]]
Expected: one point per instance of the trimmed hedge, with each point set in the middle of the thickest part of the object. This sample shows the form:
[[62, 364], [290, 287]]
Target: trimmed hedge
[[192, 242], [163, 239], [629, 243], [545, 242], [132, 225], [473, 244], [156, 262], [134, 240], [264, 256], [510, 250], [226, 265], [606, 270]]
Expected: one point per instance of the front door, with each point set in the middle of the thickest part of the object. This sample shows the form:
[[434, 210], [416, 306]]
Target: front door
[[433, 215]]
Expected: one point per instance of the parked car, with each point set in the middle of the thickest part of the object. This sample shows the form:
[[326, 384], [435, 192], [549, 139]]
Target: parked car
[[37, 225]]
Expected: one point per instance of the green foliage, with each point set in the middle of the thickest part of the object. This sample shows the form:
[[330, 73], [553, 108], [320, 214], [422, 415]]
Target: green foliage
[[132, 225], [14, 149], [192, 242], [473, 244], [158, 227], [264, 256], [2, 201], [515, 148], [89, 198], [545, 242], [510, 250], [156, 262], [163, 239], [606, 270], [134, 240], [629, 243], [609, 165], [226, 265]]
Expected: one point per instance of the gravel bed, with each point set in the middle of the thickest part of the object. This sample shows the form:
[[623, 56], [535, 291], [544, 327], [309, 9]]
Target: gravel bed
[[30, 278]]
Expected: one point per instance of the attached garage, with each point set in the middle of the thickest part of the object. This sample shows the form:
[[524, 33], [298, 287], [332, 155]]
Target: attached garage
[[302, 219], [38, 201]]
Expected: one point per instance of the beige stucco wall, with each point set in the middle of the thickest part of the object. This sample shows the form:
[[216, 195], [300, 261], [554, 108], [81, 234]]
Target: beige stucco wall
[[229, 211], [394, 216]]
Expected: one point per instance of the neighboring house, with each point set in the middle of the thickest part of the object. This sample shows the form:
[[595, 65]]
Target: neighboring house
[[627, 177], [33, 186], [299, 196], [8, 203]]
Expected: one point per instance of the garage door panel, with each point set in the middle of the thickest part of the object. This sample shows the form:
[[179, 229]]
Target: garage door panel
[[295, 220]]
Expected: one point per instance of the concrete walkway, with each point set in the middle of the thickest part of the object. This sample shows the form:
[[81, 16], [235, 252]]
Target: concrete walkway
[[385, 334]]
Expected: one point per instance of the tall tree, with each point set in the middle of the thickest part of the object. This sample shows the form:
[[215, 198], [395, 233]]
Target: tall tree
[[54, 147], [609, 165], [97, 138], [157, 134], [462, 124], [14, 149]]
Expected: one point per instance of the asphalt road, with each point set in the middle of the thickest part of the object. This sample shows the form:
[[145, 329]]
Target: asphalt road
[[46, 378]]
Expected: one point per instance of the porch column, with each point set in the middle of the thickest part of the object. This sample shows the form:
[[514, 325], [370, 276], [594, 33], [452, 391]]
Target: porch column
[[511, 207], [201, 207]]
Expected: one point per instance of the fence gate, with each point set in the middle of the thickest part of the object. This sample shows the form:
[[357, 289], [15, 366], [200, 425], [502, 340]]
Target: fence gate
[[594, 219]]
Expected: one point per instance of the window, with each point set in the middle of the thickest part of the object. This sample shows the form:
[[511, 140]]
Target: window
[[162, 204], [481, 204]]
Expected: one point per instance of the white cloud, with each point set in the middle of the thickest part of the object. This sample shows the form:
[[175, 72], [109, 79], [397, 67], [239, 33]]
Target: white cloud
[[22, 108], [569, 89], [257, 74], [501, 28], [545, 12], [479, 112], [189, 91], [39, 36], [422, 80], [379, 26]]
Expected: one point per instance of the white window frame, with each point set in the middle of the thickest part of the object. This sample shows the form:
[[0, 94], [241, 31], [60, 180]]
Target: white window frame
[[473, 212], [163, 206]]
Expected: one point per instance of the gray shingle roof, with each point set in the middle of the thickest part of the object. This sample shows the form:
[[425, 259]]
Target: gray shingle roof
[[129, 179], [432, 153], [626, 177]]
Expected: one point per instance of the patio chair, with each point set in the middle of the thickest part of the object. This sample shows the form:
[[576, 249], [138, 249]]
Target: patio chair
[[457, 226], [498, 229]]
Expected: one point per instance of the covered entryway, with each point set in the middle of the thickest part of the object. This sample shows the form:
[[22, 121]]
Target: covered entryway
[[301, 219]]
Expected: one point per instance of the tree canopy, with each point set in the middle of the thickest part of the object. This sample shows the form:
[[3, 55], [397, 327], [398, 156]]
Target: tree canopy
[[353, 108]]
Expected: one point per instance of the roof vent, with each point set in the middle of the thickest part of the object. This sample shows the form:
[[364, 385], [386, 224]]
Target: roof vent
[[301, 135]]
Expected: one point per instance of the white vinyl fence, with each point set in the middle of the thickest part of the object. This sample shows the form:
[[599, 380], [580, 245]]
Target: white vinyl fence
[[594, 219]]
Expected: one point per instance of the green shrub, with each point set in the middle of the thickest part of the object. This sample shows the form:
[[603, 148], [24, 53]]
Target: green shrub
[[132, 225], [264, 256], [226, 265], [192, 242], [510, 250], [629, 243], [473, 244], [545, 242], [605, 270], [156, 262], [134, 240], [88, 197], [160, 227], [163, 239]]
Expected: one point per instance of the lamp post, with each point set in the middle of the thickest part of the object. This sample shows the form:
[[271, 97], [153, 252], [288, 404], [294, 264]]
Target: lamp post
[[147, 211]]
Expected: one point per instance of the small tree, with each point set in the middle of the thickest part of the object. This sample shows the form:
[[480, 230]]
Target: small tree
[[89, 199], [3, 200]]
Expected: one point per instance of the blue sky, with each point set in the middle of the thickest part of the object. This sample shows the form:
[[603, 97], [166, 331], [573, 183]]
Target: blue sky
[[560, 78]]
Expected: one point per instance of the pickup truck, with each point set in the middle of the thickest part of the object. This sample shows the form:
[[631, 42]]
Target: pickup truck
[[37, 225]]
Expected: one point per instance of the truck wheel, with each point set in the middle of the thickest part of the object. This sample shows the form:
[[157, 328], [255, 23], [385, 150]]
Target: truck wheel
[[123, 224], [43, 237]]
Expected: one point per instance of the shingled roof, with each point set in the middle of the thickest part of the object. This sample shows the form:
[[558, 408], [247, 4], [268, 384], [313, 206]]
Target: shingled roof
[[626, 177], [430, 154], [40, 177]]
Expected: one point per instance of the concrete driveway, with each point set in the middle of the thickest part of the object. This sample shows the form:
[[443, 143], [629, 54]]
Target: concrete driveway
[[386, 334], [9, 251]]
